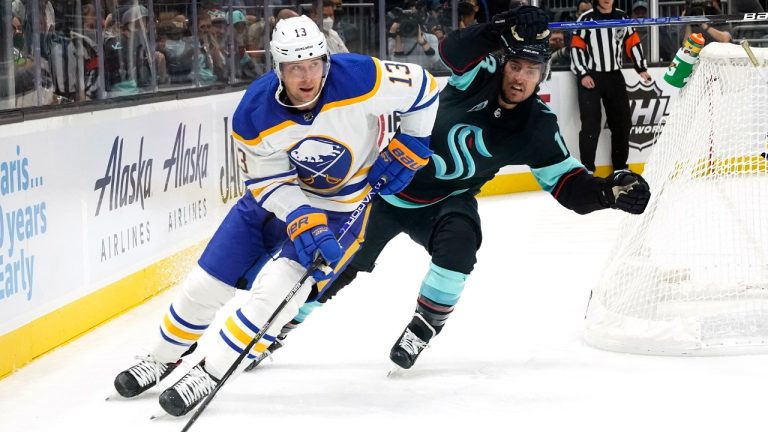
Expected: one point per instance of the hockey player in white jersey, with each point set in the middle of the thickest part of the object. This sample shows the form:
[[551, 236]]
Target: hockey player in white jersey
[[309, 136]]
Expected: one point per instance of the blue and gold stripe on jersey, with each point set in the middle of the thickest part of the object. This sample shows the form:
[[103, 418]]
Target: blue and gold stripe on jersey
[[178, 331], [261, 188], [238, 332], [428, 91]]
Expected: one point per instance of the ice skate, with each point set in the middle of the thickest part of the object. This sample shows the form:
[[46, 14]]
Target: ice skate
[[141, 377], [189, 391], [412, 342]]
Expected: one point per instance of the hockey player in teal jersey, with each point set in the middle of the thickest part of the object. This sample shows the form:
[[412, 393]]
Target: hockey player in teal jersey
[[489, 117], [309, 146]]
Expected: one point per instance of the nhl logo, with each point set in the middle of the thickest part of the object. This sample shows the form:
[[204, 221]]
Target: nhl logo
[[648, 107]]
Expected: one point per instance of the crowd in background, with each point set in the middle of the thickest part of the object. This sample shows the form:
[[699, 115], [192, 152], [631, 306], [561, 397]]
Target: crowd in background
[[64, 51]]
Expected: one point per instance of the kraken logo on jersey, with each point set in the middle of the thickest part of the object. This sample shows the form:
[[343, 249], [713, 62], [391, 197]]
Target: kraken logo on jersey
[[321, 162], [461, 138]]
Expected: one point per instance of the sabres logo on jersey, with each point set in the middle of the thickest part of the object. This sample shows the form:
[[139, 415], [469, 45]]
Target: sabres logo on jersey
[[321, 162]]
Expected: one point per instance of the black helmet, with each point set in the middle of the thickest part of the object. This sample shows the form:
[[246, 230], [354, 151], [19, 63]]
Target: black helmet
[[537, 52]]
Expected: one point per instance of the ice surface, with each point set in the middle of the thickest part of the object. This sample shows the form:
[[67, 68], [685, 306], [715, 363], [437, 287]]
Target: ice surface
[[511, 357]]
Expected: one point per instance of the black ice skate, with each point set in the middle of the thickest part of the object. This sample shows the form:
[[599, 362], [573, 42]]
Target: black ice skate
[[412, 342], [141, 377], [276, 345], [189, 391]]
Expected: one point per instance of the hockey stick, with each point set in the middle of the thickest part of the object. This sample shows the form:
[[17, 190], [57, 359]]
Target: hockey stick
[[317, 264], [660, 21], [753, 59]]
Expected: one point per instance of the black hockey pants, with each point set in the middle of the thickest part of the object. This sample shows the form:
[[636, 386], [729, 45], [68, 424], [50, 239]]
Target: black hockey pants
[[449, 230]]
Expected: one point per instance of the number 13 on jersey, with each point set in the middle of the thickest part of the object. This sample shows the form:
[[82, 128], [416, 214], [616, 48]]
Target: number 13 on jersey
[[398, 73]]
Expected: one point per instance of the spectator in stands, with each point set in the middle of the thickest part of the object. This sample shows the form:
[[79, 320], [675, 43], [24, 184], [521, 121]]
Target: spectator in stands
[[89, 17], [23, 67], [434, 16], [667, 43], [560, 54], [126, 57], [346, 28], [711, 32], [179, 51], [245, 67], [439, 32], [467, 13], [597, 65], [180, 21], [408, 43], [213, 63], [219, 27], [19, 10], [72, 56], [19, 42], [332, 38], [583, 6]]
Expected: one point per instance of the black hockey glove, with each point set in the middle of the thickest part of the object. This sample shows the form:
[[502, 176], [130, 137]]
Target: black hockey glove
[[525, 24], [627, 192]]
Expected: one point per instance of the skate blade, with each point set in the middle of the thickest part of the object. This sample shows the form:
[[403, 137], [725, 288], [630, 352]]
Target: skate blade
[[254, 364], [158, 415], [396, 371], [115, 396]]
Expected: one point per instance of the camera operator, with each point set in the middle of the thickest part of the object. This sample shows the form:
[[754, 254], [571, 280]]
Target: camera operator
[[409, 42], [711, 33]]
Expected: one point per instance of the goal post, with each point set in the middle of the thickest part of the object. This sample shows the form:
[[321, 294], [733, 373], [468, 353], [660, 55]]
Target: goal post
[[690, 275]]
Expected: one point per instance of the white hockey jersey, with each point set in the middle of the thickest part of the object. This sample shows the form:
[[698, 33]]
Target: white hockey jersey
[[321, 157]]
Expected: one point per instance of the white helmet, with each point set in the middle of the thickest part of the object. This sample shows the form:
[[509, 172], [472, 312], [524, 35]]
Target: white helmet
[[295, 39]]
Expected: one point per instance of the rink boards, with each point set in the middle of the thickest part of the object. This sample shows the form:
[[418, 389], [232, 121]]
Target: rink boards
[[99, 211]]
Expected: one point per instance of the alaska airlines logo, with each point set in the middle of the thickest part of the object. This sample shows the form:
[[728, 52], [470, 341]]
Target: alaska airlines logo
[[461, 138], [321, 162]]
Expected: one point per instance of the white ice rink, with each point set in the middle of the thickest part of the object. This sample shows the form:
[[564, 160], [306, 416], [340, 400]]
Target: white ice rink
[[511, 357]]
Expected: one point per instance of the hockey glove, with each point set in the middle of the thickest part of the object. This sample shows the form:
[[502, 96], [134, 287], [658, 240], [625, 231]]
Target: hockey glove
[[399, 162], [627, 191], [308, 229], [526, 24]]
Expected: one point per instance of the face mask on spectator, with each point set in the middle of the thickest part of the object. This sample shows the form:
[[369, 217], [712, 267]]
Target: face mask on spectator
[[18, 41], [175, 47], [327, 23]]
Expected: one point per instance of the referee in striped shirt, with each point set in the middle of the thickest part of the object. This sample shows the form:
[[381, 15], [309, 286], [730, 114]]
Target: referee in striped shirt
[[596, 61]]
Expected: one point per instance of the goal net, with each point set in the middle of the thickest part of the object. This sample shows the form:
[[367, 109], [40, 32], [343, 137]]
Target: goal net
[[690, 275]]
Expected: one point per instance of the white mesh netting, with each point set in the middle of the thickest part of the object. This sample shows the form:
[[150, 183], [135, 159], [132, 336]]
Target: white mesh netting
[[690, 275]]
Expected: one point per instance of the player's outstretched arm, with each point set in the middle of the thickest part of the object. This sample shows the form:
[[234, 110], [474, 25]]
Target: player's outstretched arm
[[463, 49], [583, 193]]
